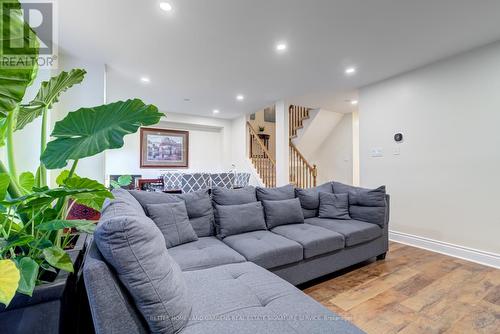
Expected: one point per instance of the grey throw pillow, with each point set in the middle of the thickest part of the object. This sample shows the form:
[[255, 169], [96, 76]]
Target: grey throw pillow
[[172, 220], [224, 196], [333, 206], [198, 205], [135, 248], [236, 219], [367, 205], [276, 194], [283, 212], [123, 204], [309, 198]]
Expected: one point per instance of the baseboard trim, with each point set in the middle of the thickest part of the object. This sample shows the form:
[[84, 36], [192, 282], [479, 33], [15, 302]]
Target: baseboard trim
[[464, 253]]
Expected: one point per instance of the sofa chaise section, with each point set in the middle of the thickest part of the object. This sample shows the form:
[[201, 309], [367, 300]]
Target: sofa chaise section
[[247, 299]]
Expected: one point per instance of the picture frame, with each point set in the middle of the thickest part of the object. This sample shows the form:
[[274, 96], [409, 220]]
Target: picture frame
[[164, 148]]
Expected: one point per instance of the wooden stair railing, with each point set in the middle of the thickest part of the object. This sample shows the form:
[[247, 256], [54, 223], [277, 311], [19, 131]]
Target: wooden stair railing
[[302, 173], [261, 158]]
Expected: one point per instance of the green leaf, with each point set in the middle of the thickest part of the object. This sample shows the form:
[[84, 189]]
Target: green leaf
[[41, 244], [124, 180], [27, 181], [4, 184], [28, 270], [58, 258], [48, 95], [94, 199], [55, 225], [114, 184], [9, 281], [17, 42], [62, 177], [89, 131], [18, 240]]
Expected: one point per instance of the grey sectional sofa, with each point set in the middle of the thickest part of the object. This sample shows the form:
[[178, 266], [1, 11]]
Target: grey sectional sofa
[[233, 258]]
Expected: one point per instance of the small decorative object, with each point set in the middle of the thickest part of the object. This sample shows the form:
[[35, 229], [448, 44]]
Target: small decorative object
[[162, 148], [398, 137], [252, 117], [153, 185], [270, 115], [261, 128], [123, 181]]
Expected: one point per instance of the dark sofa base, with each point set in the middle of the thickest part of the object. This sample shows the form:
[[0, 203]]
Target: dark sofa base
[[306, 270]]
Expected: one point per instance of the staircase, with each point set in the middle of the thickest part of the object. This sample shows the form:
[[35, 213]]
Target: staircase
[[261, 158], [302, 173]]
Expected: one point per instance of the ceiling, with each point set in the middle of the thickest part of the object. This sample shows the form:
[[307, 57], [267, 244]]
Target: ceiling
[[210, 51]]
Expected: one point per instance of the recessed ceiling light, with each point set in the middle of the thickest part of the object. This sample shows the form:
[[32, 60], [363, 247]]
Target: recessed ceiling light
[[281, 47], [145, 80], [350, 70], [165, 6], [216, 111], [354, 102], [187, 99], [240, 97]]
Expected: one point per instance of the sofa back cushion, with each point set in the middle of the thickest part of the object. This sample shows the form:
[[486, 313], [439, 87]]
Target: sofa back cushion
[[198, 206], [283, 212], [275, 194], [224, 196], [367, 205], [172, 220], [309, 198], [241, 218], [135, 248], [123, 204], [333, 206]]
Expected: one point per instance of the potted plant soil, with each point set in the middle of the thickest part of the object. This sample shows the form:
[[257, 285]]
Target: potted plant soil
[[41, 249]]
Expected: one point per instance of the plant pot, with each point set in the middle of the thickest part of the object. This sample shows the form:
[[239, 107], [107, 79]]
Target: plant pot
[[53, 306]]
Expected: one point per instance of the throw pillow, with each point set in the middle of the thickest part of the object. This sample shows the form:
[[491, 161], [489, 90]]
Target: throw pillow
[[309, 198], [224, 196], [236, 219], [135, 248], [333, 206], [276, 194], [172, 220], [283, 212]]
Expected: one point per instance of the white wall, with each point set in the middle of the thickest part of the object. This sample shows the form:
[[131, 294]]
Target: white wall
[[209, 147], [334, 156], [444, 185]]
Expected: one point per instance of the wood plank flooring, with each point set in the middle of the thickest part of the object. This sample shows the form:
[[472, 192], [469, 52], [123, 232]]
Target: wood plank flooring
[[414, 291]]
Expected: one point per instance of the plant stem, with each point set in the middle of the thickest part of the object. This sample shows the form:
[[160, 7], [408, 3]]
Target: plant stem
[[73, 168], [11, 119], [13, 189], [43, 145]]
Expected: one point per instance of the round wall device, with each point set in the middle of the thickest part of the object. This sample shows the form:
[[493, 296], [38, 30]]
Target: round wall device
[[398, 137]]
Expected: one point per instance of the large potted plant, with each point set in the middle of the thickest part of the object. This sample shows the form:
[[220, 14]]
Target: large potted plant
[[39, 249]]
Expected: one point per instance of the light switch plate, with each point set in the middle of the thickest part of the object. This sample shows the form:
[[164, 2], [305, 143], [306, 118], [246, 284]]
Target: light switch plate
[[377, 152]]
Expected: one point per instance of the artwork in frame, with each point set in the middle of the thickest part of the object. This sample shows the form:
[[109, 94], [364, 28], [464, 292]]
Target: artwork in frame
[[163, 148]]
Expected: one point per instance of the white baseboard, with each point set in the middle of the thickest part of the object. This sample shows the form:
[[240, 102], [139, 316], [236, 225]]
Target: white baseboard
[[464, 253]]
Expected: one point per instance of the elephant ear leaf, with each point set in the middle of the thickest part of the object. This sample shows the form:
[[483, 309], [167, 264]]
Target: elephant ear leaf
[[19, 45], [49, 93], [89, 131]]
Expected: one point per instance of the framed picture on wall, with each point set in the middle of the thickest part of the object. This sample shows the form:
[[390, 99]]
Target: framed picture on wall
[[162, 148]]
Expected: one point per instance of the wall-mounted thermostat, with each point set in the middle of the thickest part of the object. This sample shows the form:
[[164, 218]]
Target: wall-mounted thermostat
[[398, 137]]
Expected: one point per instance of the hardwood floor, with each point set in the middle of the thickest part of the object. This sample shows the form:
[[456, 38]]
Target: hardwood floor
[[415, 291]]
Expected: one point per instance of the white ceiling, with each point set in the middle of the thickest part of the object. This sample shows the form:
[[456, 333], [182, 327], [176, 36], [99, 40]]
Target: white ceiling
[[211, 50]]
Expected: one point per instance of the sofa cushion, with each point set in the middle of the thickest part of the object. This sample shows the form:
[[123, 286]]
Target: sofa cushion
[[275, 194], [315, 240], [309, 198], [224, 196], [287, 211], [204, 253], [172, 220], [234, 219], [198, 205], [367, 205], [354, 231], [334, 206], [265, 248], [123, 204], [248, 299], [135, 248]]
